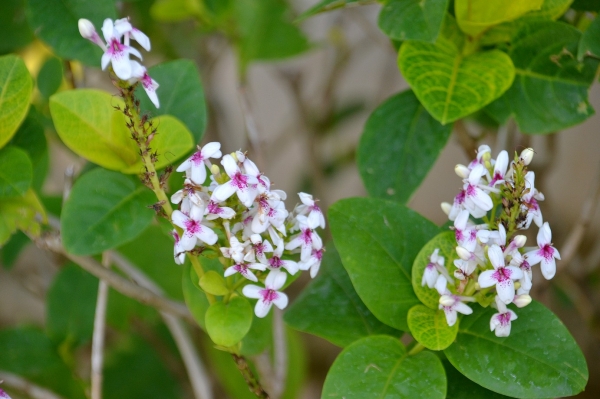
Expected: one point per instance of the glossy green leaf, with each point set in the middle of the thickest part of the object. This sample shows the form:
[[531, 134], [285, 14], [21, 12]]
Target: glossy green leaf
[[136, 370], [14, 29], [31, 138], [176, 10], [24, 213], [105, 209], [430, 328], [378, 241], [50, 77], [550, 91], [590, 41], [228, 323], [260, 336], [180, 94], [460, 387], [551, 9], [380, 367], [213, 283], [71, 304], [29, 353], [16, 172], [102, 137], [195, 298], [330, 308], [540, 358], [446, 243], [55, 22], [266, 31], [586, 5], [328, 5], [449, 84], [399, 146], [413, 19], [16, 86], [152, 253], [476, 16]]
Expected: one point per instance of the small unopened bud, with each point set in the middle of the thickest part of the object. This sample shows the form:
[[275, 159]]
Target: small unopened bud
[[519, 241], [214, 169], [462, 171], [447, 300], [446, 208], [522, 300], [526, 156], [463, 253], [86, 28], [234, 155]]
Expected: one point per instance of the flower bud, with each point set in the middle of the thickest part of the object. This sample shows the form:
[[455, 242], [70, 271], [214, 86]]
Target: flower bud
[[446, 207], [526, 156], [462, 171], [214, 169], [519, 241], [463, 253], [522, 300], [447, 300], [86, 28]]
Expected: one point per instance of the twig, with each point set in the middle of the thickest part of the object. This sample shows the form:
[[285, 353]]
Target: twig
[[69, 173], [52, 242], [253, 136], [280, 355], [98, 336], [251, 380], [30, 389], [464, 138], [196, 371]]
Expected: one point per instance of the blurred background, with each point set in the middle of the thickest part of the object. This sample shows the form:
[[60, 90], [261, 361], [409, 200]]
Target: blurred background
[[300, 115]]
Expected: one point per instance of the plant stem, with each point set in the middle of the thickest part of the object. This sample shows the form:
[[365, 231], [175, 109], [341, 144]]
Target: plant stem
[[251, 380], [416, 349]]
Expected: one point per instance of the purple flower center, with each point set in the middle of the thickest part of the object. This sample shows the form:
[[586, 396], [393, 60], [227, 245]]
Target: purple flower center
[[458, 234], [241, 269], [315, 208], [547, 252], [430, 266], [259, 248], [197, 158], [306, 236], [319, 254], [460, 198], [175, 236], [502, 274], [504, 319], [192, 226], [147, 81], [275, 262], [214, 208], [471, 190], [240, 181], [525, 266], [268, 295], [115, 48]]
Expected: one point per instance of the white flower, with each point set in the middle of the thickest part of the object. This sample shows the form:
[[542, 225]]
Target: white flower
[[179, 251], [250, 168], [240, 183], [500, 169], [465, 232], [530, 203], [502, 276], [500, 322], [189, 195], [117, 53], [3, 395], [244, 270], [546, 254], [214, 211], [310, 207], [124, 27], [451, 304], [313, 263], [193, 229], [276, 263], [236, 249], [268, 295], [270, 210], [307, 240], [477, 201], [196, 163], [260, 247], [526, 281], [88, 31], [482, 152], [432, 271], [457, 206], [139, 73]]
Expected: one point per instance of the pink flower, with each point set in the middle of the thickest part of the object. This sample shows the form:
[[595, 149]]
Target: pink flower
[[546, 254], [502, 276], [268, 295]]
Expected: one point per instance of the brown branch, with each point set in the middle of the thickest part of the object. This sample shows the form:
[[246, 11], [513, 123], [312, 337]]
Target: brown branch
[[52, 242], [251, 380], [468, 143], [27, 387], [98, 335]]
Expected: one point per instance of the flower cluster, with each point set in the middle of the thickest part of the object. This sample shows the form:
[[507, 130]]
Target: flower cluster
[[492, 265], [117, 50], [238, 202]]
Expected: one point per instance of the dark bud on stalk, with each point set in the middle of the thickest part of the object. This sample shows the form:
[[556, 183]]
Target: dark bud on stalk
[[158, 208], [165, 176], [150, 137]]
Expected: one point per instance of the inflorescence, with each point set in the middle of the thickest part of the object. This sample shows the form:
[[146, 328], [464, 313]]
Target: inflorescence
[[493, 266]]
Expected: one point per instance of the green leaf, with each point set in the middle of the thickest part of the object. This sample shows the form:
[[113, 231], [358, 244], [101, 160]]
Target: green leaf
[[16, 86], [399, 145], [195, 298], [330, 308], [55, 22], [14, 30], [71, 304], [590, 41], [551, 9], [102, 137], [260, 336], [550, 91], [180, 94], [31, 138], [328, 5], [540, 359], [228, 323], [158, 263], [29, 353], [379, 366], [430, 328], [213, 283], [16, 172], [50, 77], [460, 387], [449, 84], [105, 209], [474, 17], [10, 251], [176, 10], [446, 243], [378, 241], [586, 5], [23, 213], [413, 19], [266, 31], [136, 370]]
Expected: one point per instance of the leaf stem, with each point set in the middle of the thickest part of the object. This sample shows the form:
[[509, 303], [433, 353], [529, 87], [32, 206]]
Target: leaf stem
[[416, 349]]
